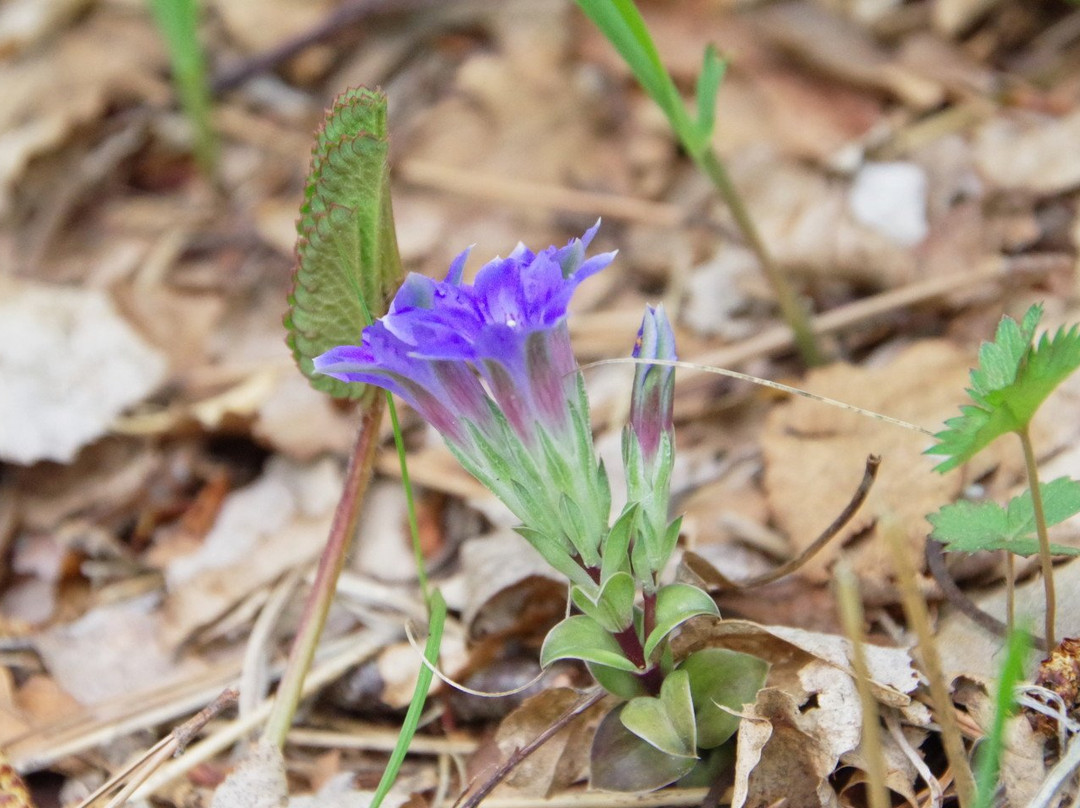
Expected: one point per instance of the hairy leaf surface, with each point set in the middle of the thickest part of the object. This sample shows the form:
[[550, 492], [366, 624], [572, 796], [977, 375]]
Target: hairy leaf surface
[[347, 258]]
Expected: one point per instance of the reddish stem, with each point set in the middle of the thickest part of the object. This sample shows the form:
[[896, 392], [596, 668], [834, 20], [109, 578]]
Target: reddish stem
[[331, 563]]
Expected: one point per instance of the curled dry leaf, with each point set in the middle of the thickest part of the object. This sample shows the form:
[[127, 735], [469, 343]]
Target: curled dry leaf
[[778, 761]]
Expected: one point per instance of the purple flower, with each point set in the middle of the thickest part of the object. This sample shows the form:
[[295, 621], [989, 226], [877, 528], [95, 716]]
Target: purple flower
[[653, 396], [508, 329], [490, 366], [649, 447]]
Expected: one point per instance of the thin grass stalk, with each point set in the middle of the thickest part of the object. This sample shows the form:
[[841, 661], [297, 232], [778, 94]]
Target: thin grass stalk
[[989, 759], [1045, 559], [331, 563], [791, 308], [919, 621]]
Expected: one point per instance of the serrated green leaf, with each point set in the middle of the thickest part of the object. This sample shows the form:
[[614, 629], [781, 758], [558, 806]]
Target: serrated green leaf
[[721, 678], [347, 258], [666, 722], [581, 637], [1011, 382], [969, 527], [675, 604]]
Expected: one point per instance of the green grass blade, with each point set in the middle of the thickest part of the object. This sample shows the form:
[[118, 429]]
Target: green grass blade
[[708, 85], [989, 758], [622, 24], [437, 609], [177, 22]]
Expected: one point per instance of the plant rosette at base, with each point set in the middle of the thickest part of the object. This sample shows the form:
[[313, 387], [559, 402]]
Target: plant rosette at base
[[490, 366]]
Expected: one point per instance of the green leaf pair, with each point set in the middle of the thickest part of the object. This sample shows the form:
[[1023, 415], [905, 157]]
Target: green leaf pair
[[653, 741], [590, 636]]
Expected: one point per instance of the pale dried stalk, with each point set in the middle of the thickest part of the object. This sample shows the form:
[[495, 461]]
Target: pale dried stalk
[[919, 622], [851, 615]]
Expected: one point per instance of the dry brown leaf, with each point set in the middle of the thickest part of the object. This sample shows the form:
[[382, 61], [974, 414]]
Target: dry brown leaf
[[504, 577], [278, 523], [900, 773], [841, 49], [259, 26], [71, 364], [301, 422], [1023, 753], [814, 456], [114, 649], [257, 782], [109, 474], [23, 23], [779, 761], [805, 218], [1025, 152], [967, 649], [108, 54], [561, 761], [789, 650]]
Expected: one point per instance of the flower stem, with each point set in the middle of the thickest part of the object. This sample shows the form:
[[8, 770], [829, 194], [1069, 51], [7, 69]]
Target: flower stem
[[330, 565], [792, 310], [1044, 539]]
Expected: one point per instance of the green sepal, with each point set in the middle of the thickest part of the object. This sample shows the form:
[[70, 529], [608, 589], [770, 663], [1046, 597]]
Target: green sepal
[[666, 722], [721, 678], [616, 545], [557, 556], [613, 606], [675, 604], [581, 637]]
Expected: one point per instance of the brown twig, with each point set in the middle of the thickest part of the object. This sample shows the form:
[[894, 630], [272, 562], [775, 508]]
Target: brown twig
[[515, 759], [171, 745], [348, 14], [873, 462], [935, 563]]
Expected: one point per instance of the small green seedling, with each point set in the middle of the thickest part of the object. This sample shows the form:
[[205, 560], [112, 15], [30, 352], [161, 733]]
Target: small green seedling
[[1014, 377], [988, 762], [622, 24], [177, 22]]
